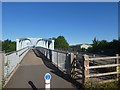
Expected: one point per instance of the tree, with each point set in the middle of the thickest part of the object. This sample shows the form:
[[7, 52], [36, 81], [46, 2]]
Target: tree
[[95, 45], [53, 38], [8, 45], [105, 47], [0, 45], [115, 46], [61, 43], [95, 42]]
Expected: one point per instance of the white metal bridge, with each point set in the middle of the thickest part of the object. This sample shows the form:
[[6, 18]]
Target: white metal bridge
[[29, 64]]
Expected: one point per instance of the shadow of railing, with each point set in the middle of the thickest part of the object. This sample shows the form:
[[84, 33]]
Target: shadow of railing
[[32, 85], [55, 70]]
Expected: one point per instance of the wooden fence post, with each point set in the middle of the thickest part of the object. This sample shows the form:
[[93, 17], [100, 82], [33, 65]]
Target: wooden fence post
[[1, 69], [118, 67], [72, 57], [85, 71]]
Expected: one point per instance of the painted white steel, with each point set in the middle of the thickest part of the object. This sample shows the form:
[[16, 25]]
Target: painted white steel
[[12, 60]]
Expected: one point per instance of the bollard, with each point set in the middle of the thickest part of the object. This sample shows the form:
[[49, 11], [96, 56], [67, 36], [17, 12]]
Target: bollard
[[47, 78]]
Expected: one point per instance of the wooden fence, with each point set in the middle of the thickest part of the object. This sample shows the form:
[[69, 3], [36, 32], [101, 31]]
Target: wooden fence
[[85, 65]]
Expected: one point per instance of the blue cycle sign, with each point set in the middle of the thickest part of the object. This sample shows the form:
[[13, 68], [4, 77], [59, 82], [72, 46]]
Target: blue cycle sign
[[47, 76]]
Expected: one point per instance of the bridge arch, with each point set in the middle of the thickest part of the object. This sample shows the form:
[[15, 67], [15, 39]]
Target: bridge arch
[[45, 43], [23, 42]]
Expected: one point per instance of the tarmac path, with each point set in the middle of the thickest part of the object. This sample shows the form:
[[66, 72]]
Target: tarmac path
[[32, 70]]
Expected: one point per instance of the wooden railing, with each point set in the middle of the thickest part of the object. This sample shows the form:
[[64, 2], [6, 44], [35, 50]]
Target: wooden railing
[[80, 68], [86, 66]]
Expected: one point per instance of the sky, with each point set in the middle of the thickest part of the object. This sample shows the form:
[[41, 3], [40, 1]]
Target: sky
[[78, 22], [0, 25], [119, 20]]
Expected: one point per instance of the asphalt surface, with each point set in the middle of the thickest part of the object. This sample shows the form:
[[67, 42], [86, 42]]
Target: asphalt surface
[[30, 74]]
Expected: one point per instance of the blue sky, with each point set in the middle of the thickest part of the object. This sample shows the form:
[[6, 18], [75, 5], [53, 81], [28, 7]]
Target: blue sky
[[0, 21], [77, 22]]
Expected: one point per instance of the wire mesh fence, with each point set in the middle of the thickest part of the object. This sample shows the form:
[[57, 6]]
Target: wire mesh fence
[[11, 60], [59, 58]]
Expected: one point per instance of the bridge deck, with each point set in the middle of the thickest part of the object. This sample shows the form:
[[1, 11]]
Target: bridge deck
[[33, 68]]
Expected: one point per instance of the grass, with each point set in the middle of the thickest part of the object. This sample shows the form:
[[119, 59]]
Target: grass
[[0, 86], [104, 86]]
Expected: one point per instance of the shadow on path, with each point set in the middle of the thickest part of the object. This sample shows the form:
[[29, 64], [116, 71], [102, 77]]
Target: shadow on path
[[32, 85], [56, 71]]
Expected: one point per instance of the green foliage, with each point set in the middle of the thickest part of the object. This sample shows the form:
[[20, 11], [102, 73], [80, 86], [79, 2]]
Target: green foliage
[[0, 45], [109, 85], [105, 47], [61, 43], [83, 49], [75, 48], [53, 38], [8, 45], [95, 43]]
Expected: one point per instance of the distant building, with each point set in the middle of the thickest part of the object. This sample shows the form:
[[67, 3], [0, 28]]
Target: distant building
[[79, 47], [75, 47], [85, 46]]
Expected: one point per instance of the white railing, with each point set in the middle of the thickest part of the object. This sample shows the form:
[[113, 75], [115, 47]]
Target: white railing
[[59, 58], [12, 59]]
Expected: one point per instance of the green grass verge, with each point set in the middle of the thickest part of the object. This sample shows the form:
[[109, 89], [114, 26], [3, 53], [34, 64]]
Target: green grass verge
[[104, 86], [0, 86]]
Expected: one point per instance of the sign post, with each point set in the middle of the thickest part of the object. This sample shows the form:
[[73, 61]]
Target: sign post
[[47, 78]]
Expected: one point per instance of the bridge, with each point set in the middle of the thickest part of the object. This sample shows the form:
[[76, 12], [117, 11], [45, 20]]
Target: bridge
[[26, 67], [36, 42]]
